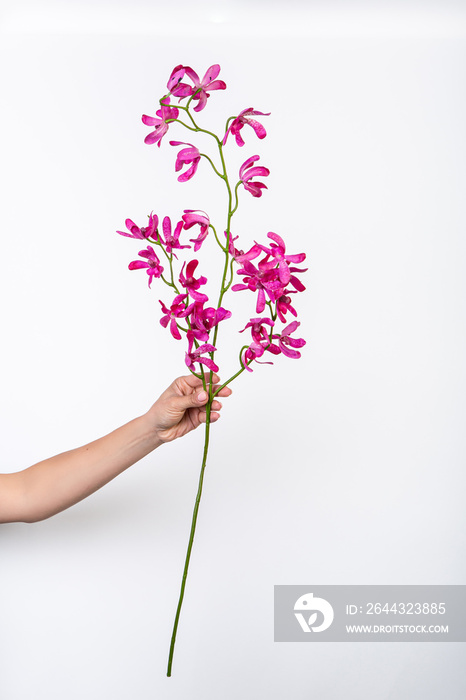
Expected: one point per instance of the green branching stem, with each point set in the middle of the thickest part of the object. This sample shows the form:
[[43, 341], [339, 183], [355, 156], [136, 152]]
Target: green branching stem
[[231, 275], [216, 238], [240, 371], [203, 155], [208, 381], [236, 197]]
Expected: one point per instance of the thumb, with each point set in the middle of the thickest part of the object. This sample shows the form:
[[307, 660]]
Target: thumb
[[195, 398]]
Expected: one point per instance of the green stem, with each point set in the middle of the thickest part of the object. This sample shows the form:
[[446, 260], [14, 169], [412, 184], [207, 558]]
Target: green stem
[[178, 121], [236, 198], [203, 155], [231, 276], [228, 381], [230, 119], [191, 540], [216, 237]]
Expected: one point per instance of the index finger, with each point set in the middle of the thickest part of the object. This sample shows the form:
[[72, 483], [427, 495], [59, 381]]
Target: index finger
[[195, 382]]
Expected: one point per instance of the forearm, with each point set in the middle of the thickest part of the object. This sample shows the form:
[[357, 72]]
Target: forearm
[[54, 484]]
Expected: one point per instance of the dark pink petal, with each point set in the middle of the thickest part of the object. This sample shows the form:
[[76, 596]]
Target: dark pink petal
[[190, 267], [260, 306], [207, 347], [211, 74], [131, 225], [188, 174], [274, 349], [193, 75], [250, 255], [297, 284], [299, 257], [255, 188], [176, 75], [176, 233], [156, 136], [183, 90], [202, 101], [175, 85], [150, 121], [125, 233], [217, 85], [208, 363], [257, 171], [174, 330], [195, 216], [222, 314], [278, 240], [290, 328], [258, 128], [198, 296], [137, 265], [167, 227], [200, 239], [247, 163], [284, 272], [288, 352], [296, 342], [266, 264], [239, 142]]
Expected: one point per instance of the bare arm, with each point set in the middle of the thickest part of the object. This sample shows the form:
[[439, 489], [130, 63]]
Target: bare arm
[[59, 482]]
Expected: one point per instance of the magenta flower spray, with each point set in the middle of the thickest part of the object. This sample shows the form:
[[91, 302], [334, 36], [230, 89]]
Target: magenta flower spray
[[168, 257]]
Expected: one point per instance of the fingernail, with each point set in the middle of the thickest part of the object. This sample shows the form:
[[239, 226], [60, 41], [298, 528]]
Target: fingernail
[[202, 396]]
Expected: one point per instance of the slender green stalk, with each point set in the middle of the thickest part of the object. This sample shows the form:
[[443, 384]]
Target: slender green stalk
[[191, 540], [243, 367], [210, 161], [208, 385]]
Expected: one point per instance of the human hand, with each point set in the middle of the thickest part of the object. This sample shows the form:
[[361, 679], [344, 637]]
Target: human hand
[[179, 409]]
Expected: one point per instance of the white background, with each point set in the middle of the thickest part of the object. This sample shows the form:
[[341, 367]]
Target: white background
[[345, 467]]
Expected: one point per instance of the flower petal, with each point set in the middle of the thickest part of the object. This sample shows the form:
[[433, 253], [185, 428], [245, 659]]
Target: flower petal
[[210, 74]]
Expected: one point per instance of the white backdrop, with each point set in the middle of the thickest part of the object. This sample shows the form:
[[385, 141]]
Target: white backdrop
[[345, 467]]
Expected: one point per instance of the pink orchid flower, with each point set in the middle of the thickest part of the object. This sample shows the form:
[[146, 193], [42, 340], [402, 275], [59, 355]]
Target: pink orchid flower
[[195, 356], [177, 310], [152, 263], [260, 280], [144, 232], [191, 217], [258, 330], [242, 119], [246, 173], [172, 241], [256, 350], [286, 343], [208, 83], [205, 319], [283, 305], [185, 157], [250, 255], [175, 86], [277, 251], [160, 122], [297, 284], [190, 283]]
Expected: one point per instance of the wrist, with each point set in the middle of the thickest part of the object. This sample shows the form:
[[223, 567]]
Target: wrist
[[149, 433]]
